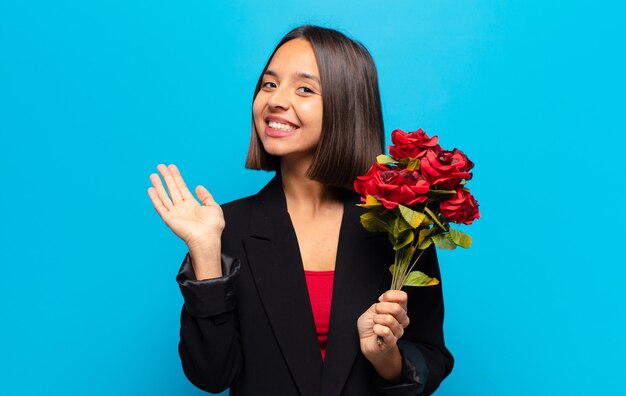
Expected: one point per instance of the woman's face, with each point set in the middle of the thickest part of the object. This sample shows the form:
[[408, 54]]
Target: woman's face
[[287, 111]]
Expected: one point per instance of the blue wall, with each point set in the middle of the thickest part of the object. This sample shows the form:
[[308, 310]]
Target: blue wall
[[94, 94]]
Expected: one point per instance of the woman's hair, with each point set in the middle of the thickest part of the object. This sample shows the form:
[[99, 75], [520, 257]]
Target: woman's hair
[[352, 121]]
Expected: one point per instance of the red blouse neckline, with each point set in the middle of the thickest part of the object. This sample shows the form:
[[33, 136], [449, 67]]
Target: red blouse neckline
[[309, 272]]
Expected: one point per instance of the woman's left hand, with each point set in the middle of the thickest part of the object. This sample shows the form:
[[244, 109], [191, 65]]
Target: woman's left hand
[[387, 319]]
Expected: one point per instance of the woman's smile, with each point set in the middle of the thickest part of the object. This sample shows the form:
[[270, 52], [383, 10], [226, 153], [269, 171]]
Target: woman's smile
[[278, 127]]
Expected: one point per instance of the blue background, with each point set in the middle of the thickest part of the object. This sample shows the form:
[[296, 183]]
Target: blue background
[[93, 95]]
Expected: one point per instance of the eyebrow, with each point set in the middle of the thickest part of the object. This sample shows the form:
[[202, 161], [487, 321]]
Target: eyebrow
[[297, 74]]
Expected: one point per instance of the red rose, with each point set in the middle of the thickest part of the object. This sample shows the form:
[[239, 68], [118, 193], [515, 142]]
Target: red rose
[[402, 187], [392, 186], [412, 144], [446, 169], [368, 183], [461, 208]]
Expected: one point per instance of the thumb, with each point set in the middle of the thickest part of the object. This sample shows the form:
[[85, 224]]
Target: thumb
[[205, 196]]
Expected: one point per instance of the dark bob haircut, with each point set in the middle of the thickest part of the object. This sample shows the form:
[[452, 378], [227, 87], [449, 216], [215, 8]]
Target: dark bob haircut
[[352, 122]]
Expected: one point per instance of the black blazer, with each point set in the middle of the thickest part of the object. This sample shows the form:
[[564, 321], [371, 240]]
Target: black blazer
[[253, 331]]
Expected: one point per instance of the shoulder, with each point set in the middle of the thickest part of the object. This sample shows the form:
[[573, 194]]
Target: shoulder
[[265, 199], [240, 212], [239, 209], [238, 204], [237, 215]]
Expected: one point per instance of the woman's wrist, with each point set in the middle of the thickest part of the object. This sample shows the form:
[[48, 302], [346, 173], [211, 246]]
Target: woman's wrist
[[388, 365], [206, 258]]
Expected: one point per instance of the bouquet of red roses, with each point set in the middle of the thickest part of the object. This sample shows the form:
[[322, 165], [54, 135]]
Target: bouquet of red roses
[[414, 194]]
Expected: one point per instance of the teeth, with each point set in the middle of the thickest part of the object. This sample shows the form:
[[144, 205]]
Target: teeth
[[281, 126]]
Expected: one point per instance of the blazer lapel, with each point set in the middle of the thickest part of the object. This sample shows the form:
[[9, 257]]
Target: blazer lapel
[[362, 261], [276, 265]]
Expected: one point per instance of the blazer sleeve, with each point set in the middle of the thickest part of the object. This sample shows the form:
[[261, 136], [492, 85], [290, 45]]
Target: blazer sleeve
[[209, 347], [425, 359]]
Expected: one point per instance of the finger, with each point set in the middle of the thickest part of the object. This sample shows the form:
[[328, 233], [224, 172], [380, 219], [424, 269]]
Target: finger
[[390, 322], [395, 310], [180, 183], [161, 194], [386, 333], [205, 196], [169, 182], [156, 202], [393, 296], [396, 296]]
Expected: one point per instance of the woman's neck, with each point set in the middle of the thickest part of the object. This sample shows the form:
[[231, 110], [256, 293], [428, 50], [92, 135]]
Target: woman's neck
[[304, 193]]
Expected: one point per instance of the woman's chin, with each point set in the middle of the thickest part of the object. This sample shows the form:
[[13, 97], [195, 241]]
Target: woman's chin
[[279, 149], [290, 155]]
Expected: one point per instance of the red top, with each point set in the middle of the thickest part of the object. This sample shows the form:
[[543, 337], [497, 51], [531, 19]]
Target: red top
[[320, 285]]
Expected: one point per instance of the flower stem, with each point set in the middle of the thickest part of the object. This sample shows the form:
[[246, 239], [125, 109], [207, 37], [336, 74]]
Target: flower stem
[[394, 276], [406, 274], [397, 271]]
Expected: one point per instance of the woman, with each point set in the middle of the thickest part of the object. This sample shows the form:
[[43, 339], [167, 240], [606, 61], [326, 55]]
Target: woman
[[284, 290]]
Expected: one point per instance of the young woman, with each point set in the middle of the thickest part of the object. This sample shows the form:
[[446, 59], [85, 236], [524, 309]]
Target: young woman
[[284, 290]]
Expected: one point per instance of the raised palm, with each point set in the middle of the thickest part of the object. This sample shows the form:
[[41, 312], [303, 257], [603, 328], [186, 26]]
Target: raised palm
[[193, 221]]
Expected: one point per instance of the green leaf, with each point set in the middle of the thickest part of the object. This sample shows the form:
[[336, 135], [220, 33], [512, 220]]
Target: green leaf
[[413, 164], [425, 244], [427, 221], [393, 239], [443, 191], [385, 159], [434, 218], [418, 278], [401, 224], [403, 239], [460, 238], [392, 269], [423, 239], [443, 241], [409, 251], [370, 202], [373, 221], [439, 195], [412, 217]]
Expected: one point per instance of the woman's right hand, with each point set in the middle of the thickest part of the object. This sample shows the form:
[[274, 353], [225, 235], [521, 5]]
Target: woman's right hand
[[195, 223]]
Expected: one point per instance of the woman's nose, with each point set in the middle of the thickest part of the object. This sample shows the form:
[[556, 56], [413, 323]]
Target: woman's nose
[[279, 99]]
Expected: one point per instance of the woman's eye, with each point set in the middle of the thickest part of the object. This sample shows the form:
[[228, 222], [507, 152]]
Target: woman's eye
[[306, 90], [268, 84]]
